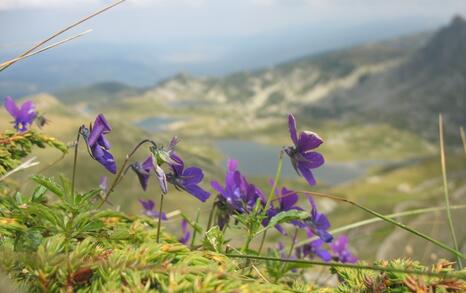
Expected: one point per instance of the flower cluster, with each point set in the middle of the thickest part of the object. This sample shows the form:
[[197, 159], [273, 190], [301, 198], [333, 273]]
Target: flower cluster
[[237, 196]]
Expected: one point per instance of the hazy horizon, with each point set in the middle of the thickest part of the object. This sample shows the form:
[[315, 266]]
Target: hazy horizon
[[143, 42]]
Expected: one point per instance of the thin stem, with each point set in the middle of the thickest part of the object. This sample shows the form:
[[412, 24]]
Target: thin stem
[[248, 240], [194, 230], [75, 161], [264, 236], [278, 174], [159, 224], [295, 236], [459, 275], [463, 138], [6, 64], [386, 219], [66, 29], [211, 216], [293, 242], [117, 180], [374, 220], [445, 189]]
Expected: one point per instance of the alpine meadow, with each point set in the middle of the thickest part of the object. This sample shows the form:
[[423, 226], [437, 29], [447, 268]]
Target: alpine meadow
[[232, 146]]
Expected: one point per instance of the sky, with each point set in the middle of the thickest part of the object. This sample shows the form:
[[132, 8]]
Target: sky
[[211, 37]]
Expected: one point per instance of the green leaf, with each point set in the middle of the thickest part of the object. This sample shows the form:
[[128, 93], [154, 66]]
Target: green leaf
[[214, 239], [29, 241], [285, 217], [39, 193], [50, 184]]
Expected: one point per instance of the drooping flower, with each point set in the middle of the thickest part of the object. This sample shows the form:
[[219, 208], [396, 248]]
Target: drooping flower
[[287, 200], [341, 249], [318, 223], [186, 234], [314, 248], [187, 179], [24, 116], [301, 155], [98, 144], [142, 170], [149, 209]]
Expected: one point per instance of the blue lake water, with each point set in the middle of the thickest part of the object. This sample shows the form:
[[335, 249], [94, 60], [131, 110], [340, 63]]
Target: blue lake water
[[261, 160], [154, 124]]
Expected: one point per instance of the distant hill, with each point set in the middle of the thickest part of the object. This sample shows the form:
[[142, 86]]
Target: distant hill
[[404, 82], [102, 91], [411, 95]]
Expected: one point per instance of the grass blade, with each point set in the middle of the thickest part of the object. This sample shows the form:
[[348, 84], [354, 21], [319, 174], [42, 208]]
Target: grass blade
[[388, 220], [6, 64], [38, 45], [445, 189], [459, 275], [374, 220]]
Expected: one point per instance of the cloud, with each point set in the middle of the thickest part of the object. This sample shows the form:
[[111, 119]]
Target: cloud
[[44, 4], [22, 4]]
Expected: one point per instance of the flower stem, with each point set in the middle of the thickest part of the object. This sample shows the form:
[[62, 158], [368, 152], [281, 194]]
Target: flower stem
[[293, 243], [211, 216], [463, 138], [194, 230], [75, 161], [159, 224], [264, 236], [120, 173], [445, 190], [459, 275], [248, 240], [278, 174], [386, 219]]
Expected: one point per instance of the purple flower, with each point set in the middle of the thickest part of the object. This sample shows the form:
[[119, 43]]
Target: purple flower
[[301, 155], [314, 248], [287, 200], [251, 194], [341, 249], [230, 195], [187, 179], [98, 144], [142, 170], [23, 116], [237, 196], [318, 223], [186, 234], [149, 206]]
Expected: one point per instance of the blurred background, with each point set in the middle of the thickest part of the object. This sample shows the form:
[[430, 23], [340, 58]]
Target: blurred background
[[369, 76]]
